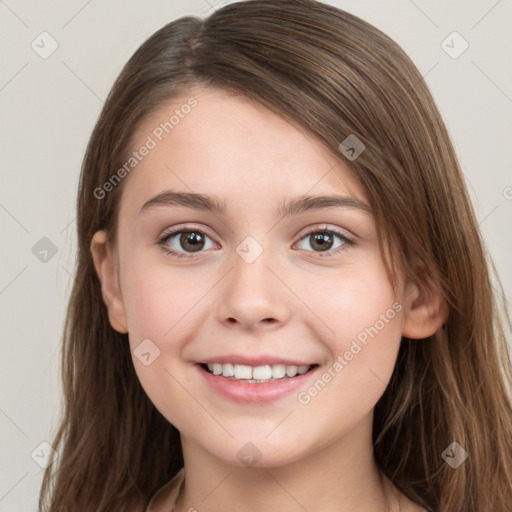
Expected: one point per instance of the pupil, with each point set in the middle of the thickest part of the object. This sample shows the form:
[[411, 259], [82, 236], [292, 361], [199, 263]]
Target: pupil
[[192, 239], [324, 241]]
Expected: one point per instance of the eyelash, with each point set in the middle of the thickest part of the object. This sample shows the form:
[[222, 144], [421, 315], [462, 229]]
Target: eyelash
[[164, 239]]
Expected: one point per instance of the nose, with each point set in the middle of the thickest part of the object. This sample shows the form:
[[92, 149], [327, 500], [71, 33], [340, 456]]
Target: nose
[[252, 296]]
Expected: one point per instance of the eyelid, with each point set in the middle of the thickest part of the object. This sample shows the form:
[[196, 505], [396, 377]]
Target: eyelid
[[330, 229], [188, 227]]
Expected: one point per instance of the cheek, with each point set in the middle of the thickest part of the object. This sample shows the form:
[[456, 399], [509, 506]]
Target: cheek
[[367, 316], [163, 307], [361, 328], [358, 302], [159, 301], [161, 318]]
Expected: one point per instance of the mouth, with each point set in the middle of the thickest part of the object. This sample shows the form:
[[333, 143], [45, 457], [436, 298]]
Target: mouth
[[256, 374]]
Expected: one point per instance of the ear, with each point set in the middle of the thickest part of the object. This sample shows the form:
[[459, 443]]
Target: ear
[[425, 311], [104, 259]]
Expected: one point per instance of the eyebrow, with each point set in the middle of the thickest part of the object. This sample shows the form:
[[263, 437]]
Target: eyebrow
[[286, 208]]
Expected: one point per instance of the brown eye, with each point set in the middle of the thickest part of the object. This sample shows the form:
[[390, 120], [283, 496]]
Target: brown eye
[[324, 241], [192, 241], [321, 241], [183, 242]]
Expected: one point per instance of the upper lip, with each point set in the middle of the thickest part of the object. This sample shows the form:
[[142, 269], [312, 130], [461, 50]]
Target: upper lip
[[254, 360]]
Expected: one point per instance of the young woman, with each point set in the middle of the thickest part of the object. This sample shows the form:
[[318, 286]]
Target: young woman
[[282, 300]]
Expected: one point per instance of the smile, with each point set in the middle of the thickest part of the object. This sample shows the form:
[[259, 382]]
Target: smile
[[259, 384], [255, 374]]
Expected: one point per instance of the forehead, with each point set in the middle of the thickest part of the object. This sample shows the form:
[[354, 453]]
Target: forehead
[[213, 141]]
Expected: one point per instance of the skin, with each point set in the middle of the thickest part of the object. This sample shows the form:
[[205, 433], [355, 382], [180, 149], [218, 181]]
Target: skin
[[318, 456]]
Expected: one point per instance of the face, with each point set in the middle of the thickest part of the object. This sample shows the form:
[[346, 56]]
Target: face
[[253, 283]]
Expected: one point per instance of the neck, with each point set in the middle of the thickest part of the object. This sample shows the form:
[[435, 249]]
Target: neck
[[340, 476]]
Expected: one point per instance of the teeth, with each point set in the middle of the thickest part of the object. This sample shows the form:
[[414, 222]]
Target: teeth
[[228, 370], [291, 371], [302, 369], [242, 372], [256, 373], [278, 371]]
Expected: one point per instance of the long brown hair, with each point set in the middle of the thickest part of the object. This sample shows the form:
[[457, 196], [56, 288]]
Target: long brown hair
[[334, 75]]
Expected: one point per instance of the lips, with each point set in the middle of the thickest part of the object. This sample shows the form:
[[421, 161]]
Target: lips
[[255, 360], [254, 391]]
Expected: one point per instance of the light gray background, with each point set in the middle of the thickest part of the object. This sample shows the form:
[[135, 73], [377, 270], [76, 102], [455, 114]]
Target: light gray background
[[48, 109]]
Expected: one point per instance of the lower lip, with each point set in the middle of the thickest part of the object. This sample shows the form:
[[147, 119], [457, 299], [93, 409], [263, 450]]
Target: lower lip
[[253, 392]]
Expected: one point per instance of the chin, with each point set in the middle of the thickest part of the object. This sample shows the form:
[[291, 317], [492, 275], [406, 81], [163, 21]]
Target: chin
[[254, 454]]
